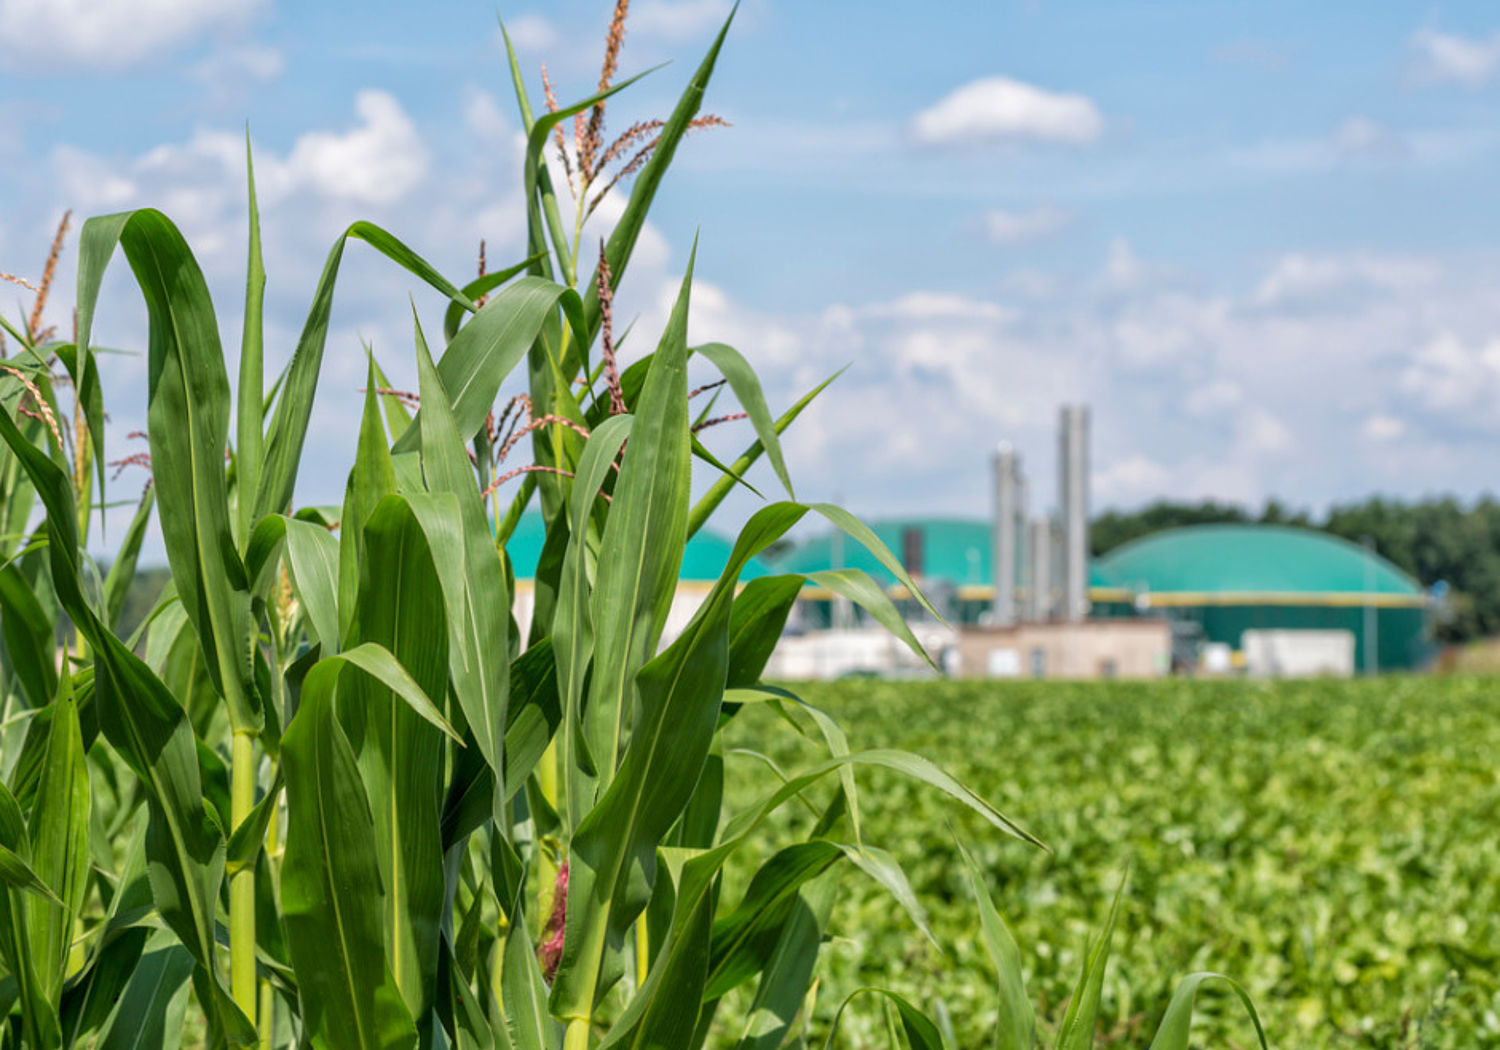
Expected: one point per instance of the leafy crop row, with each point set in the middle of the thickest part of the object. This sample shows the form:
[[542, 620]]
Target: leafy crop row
[[1331, 844]]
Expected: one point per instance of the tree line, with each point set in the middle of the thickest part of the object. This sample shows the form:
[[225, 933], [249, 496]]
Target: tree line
[[1437, 541]]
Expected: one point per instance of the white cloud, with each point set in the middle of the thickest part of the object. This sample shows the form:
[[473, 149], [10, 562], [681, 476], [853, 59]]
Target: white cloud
[[1135, 479], [674, 20], [485, 118], [1010, 227], [255, 62], [1299, 279], [1361, 137], [1031, 284], [1002, 109], [107, 33], [1260, 433], [1213, 398], [941, 306], [531, 32], [1381, 428], [377, 162], [1450, 377], [1464, 60]]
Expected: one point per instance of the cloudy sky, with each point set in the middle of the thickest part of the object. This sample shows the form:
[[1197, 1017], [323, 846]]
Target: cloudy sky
[[1259, 238]]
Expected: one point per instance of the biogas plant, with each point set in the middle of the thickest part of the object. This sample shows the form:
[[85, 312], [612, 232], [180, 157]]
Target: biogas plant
[[1020, 595]]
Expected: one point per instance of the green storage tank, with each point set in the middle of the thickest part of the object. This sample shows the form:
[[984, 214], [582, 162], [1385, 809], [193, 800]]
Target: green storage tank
[[1233, 578]]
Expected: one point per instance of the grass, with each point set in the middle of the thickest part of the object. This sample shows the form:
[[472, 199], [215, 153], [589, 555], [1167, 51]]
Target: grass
[[1332, 845]]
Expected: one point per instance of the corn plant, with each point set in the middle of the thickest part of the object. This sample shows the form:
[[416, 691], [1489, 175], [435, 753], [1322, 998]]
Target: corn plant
[[330, 796]]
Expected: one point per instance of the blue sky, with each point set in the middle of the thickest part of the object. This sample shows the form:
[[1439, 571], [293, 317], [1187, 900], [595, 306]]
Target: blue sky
[[1259, 238]]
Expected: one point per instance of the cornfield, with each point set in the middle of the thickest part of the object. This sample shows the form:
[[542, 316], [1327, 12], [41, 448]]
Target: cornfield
[[328, 794]]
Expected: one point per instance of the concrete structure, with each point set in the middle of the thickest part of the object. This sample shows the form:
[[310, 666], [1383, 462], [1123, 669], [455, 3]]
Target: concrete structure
[[865, 650], [1089, 649], [1298, 654]]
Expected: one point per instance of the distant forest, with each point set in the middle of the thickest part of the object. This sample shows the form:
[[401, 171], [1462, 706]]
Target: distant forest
[[1433, 540]]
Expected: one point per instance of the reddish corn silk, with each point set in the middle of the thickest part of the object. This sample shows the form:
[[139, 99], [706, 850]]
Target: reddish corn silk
[[549, 952]]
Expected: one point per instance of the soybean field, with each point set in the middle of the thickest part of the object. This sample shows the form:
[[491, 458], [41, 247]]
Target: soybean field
[[1333, 845]]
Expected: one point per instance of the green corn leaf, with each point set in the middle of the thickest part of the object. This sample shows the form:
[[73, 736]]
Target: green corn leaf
[[474, 586], [746, 386], [572, 623], [613, 859], [833, 736], [675, 988], [1177, 1022], [332, 892], [701, 451], [538, 184], [487, 349], [641, 550], [246, 841], [920, 1032], [865, 537], [524, 991], [860, 588], [154, 1002], [15, 851], [721, 488], [59, 831], [30, 641], [122, 569], [188, 423], [643, 191], [372, 478], [39, 1020], [787, 976], [755, 624], [1078, 1024], [312, 555], [288, 429], [481, 286], [744, 939], [397, 417], [89, 1001], [1017, 1024], [145, 724], [541, 261], [534, 714], [881, 866], [401, 607], [249, 441]]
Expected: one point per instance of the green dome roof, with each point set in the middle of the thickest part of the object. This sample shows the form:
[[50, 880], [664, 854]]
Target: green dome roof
[[1257, 562], [703, 561], [958, 550]]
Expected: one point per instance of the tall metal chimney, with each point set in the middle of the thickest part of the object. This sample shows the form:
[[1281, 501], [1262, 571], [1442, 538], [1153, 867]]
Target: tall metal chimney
[[1039, 587], [1073, 505], [1003, 561]]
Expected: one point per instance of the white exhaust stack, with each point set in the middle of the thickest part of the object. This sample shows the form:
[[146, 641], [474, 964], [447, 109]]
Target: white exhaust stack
[[1073, 506], [1008, 510], [1039, 587]]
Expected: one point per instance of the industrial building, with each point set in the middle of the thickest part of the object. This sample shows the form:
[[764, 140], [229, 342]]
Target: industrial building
[[1022, 598]]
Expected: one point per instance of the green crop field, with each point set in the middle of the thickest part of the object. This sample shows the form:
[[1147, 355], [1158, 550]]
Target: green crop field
[[1335, 846]]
